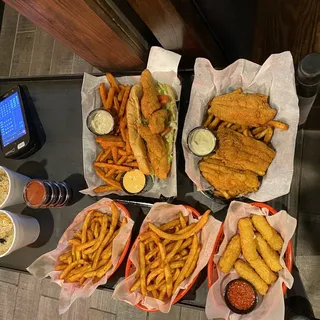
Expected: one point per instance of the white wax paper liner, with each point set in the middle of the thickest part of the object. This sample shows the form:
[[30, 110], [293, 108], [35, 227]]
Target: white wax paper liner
[[274, 78], [159, 214], [44, 265], [272, 306], [163, 65]]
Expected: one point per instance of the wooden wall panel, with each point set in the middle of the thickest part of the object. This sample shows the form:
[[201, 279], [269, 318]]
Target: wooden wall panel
[[286, 25], [178, 26], [76, 25]]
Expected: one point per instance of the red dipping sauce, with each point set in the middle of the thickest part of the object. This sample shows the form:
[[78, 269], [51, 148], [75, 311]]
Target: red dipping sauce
[[240, 295], [35, 193]]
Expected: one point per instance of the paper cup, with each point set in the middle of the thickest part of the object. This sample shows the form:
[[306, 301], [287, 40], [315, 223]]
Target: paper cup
[[26, 231], [17, 182]]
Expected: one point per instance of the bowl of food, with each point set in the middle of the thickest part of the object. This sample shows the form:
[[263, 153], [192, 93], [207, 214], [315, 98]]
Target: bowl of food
[[182, 258], [16, 231], [259, 263], [11, 187]]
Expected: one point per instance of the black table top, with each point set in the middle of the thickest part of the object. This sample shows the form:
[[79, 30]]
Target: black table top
[[58, 104]]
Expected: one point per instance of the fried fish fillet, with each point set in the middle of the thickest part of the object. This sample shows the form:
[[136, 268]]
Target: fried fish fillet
[[227, 179], [157, 152], [240, 152], [157, 122], [149, 101], [248, 109]]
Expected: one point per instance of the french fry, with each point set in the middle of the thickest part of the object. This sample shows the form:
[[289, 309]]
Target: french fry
[[103, 94], [100, 174], [70, 267], [116, 104], [188, 262], [60, 267], [105, 155], [110, 98], [114, 183], [118, 177], [186, 234], [214, 123], [257, 130], [182, 221], [111, 166], [143, 284], [168, 276], [103, 230], [113, 82], [100, 155], [114, 151], [113, 225], [267, 138], [278, 125], [120, 96], [64, 257], [128, 147], [208, 120], [75, 242], [102, 189], [261, 134], [193, 263], [104, 269], [124, 102]]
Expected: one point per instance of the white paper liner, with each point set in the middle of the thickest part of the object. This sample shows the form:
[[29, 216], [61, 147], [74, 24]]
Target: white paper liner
[[159, 214], [272, 306], [163, 65], [274, 78], [44, 265]]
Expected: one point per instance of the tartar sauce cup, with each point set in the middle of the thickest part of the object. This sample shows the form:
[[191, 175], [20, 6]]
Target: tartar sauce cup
[[201, 141], [100, 122]]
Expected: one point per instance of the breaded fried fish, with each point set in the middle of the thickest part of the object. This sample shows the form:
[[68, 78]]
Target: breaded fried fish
[[149, 101], [248, 109], [157, 152], [241, 152]]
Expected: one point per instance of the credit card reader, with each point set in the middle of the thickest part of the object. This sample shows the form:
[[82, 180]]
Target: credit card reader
[[18, 135]]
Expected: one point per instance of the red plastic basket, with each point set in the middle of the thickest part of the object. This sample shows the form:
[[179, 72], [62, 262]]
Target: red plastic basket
[[126, 248], [212, 268], [130, 269]]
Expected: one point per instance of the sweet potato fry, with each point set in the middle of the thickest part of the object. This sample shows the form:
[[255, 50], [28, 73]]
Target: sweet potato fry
[[113, 82], [101, 189], [110, 98], [116, 104], [124, 101], [111, 166], [100, 174], [103, 94], [120, 96]]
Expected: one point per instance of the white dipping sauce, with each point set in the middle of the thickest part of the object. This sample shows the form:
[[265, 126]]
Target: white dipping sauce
[[202, 142], [102, 122]]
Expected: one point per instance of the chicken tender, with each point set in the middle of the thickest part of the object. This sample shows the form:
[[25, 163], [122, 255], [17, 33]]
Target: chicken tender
[[268, 233], [157, 152], [248, 244], [247, 273], [230, 255], [157, 122], [149, 101], [271, 257]]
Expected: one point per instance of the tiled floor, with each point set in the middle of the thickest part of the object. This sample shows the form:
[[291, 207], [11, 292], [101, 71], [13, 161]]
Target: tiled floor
[[28, 50]]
